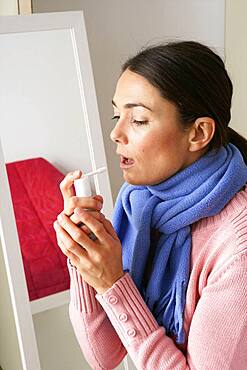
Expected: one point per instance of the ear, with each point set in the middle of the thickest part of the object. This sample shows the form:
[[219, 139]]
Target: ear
[[201, 133]]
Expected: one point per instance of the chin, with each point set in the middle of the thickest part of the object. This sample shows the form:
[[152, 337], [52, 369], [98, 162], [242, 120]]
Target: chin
[[132, 181], [145, 182], [135, 181]]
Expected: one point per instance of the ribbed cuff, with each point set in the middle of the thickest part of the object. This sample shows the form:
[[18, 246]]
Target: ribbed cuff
[[127, 310], [82, 295]]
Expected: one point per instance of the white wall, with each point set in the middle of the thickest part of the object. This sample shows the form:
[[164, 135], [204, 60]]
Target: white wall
[[236, 60], [116, 29]]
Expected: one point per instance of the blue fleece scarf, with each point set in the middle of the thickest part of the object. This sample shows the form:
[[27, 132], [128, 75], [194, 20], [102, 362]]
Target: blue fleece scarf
[[198, 191]]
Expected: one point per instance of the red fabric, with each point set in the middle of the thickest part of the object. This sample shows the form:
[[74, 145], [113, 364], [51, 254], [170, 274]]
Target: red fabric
[[37, 200]]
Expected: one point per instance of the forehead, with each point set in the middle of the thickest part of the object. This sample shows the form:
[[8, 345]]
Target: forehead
[[132, 88]]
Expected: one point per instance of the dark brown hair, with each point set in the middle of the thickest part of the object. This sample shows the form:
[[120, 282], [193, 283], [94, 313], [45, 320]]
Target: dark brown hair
[[194, 78]]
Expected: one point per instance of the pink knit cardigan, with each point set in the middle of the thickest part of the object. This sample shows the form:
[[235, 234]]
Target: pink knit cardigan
[[117, 322]]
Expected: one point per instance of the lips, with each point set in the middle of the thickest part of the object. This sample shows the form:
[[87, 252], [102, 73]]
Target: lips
[[126, 160]]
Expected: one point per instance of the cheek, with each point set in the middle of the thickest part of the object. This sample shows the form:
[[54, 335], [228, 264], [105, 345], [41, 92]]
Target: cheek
[[161, 157], [160, 148], [156, 146]]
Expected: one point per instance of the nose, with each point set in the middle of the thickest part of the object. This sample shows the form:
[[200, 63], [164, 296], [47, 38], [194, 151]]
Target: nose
[[118, 134]]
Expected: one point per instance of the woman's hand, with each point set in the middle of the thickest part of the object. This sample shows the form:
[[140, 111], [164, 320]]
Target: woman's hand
[[71, 201], [99, 262]]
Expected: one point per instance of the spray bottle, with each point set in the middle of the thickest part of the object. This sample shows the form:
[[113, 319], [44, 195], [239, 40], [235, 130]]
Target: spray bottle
[[83, 188]]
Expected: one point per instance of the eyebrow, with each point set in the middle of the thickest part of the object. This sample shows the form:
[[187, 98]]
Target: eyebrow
[[132, 105]]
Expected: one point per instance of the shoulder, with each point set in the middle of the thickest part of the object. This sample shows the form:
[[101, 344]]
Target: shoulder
[[232, 219], [221, 239]]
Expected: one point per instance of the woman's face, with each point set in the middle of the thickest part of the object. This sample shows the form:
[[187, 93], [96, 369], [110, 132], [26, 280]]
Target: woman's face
[[147, 132]]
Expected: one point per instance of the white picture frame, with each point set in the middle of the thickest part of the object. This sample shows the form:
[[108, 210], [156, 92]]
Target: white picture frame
[[22, 34]]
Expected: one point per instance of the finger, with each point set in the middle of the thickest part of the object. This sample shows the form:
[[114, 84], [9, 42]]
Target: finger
[[99, 198], [96, 226], [75, 219], [65, 251], [85, 229], [99, 216], [66, 185], [95, 214], [88, 203], [74, 260], [60, 244], [67, 242], [109, 227], [75, 235]]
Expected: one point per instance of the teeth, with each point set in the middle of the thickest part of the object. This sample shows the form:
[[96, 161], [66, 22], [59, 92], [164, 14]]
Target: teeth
[[128, 160]]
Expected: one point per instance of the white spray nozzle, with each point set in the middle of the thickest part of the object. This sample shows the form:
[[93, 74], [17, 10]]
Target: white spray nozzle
[[82, 185], [99, 170]]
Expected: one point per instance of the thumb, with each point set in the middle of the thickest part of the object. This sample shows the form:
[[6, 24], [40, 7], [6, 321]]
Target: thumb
[[99, 198]]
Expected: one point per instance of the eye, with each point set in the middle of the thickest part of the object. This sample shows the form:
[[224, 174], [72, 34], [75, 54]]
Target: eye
[[116, 117], [139, 123]]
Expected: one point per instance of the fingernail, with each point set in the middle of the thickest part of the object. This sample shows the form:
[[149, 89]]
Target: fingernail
[[75, 173], [99, 205]]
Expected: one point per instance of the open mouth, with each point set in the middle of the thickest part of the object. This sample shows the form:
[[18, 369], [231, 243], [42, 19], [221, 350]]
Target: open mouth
[[125, 160]]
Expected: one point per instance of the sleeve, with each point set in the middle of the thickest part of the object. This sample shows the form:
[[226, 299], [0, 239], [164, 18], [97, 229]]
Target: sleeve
[[217, 337], [95, 334]]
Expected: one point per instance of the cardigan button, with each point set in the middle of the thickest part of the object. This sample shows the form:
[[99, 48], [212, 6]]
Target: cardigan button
[[131, 332], [123, 317], [112, 299]]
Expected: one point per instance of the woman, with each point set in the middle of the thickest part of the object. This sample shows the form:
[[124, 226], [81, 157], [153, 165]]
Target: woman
[[167, 283]]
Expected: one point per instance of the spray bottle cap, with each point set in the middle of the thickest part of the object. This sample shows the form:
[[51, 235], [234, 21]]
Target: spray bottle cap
[[83, 187]]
